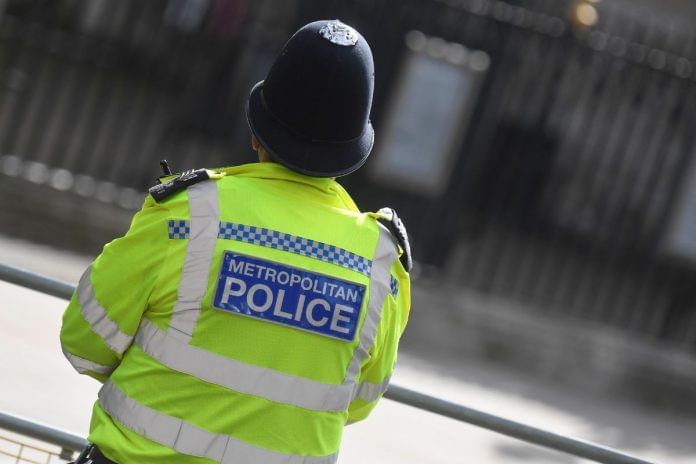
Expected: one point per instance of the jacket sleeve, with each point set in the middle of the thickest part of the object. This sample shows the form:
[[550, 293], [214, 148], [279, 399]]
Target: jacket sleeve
[[105, 310], [376, 372]]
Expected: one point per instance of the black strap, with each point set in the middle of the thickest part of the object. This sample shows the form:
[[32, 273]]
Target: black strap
[[99, 458], [93, 455]]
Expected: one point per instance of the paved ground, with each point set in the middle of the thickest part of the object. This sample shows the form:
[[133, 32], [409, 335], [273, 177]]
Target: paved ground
[[38, 383]]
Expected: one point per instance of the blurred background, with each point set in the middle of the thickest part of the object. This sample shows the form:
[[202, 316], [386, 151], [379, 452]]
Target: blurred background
[[540, 152]]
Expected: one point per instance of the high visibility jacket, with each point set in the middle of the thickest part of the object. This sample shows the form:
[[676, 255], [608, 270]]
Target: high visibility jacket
[[245, 319]]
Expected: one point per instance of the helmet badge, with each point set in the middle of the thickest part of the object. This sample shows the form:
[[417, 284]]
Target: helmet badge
[[338, 33]]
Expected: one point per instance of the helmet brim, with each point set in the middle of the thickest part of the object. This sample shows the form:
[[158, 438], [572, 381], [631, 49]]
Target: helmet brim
[[302, 154]]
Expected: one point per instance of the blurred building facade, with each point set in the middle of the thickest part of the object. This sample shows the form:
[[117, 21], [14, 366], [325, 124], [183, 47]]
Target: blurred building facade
[[550, 156]]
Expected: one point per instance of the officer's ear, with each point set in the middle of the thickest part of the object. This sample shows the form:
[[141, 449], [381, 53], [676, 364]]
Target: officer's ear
[[264, 157]]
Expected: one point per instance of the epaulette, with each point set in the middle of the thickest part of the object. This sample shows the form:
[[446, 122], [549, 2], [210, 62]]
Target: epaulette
[[398, 229], [187, 178]]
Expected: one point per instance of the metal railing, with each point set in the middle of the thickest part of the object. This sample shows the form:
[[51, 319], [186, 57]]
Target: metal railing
[[568, 445], [68, 442]]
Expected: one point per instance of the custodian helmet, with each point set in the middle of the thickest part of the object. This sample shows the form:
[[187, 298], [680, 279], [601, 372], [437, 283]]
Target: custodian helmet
[[312, 111]]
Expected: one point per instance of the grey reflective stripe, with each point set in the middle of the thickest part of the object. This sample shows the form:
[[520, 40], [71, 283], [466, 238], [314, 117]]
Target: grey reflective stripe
[[369, 392], [238, 376], [380, 286], [97, 317], [189, 439], [83, 365], [205, 219]]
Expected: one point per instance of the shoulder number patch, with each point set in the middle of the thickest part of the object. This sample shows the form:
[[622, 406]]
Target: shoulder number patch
[[289, 296]]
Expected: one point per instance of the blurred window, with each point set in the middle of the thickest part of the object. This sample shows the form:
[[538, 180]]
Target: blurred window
[[681, 238], [186, 15], [429, 114]]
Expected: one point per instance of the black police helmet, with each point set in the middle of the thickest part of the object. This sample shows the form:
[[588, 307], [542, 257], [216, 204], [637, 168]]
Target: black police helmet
[[312, 112]]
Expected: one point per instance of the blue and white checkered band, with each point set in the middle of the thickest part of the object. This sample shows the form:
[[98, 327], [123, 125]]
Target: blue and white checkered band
[[179, 229], [295, 244], [394, 284]]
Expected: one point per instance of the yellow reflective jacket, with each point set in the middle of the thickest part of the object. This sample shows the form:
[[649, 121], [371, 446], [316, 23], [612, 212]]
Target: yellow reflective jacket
[[245, 319]]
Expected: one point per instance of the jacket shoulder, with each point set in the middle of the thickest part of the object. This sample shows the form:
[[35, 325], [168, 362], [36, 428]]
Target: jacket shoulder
[[389, 218]]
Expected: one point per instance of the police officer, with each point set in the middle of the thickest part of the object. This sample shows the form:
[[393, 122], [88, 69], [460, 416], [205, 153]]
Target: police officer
[[251, 312]]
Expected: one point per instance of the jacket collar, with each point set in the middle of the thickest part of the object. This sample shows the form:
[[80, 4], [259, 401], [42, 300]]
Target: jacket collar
[[328, 186]]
